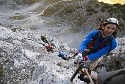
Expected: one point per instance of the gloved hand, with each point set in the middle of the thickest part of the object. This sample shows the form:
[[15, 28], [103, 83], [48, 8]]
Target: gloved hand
[[78, 58], [61, 54], [79, 51], [85, 58]]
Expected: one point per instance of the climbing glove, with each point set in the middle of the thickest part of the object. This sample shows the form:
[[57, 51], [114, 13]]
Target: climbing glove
[[79, 51]]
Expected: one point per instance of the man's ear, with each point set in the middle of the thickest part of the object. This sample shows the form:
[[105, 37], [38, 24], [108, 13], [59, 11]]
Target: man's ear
[[103, 27]]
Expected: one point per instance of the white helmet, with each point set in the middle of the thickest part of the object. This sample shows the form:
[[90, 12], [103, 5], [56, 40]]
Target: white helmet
[[112, 21]]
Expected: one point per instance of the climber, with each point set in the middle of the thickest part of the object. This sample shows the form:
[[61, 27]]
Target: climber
[[98, 42], [43, 38], [63, 55], [49, 47]]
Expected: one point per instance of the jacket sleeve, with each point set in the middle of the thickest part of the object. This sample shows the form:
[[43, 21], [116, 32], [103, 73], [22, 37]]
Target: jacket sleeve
[[87, 40], [104, 50]]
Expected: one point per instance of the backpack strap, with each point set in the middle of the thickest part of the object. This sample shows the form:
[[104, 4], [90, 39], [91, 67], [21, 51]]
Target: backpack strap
[[110, 40], [105, 43], [93, 40]]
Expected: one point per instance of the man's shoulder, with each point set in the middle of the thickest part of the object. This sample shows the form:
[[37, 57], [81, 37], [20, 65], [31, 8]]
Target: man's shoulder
[[94, 32]]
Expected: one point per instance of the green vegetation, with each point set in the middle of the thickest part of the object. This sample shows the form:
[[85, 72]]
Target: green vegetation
[[52, 9], [75, 30], [69, 8], [77, 12], [1, 24], [116, 11], [91, 7], [1, 3], [29, 2], [23, 2], [39, 9], [48, 11], [1, 71], [17, 17], [91, 10], [13, 7], [14, 29], [59, 64], [121, 9]]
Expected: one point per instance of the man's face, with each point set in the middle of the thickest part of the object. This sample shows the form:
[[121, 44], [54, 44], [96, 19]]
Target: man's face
[[109, 29]]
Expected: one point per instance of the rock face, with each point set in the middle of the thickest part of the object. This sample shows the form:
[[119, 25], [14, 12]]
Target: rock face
[[25, 60]]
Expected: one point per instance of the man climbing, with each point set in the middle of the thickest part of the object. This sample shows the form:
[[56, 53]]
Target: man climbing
[[43, 38], [49, 47], [63, 55], [98, 42]]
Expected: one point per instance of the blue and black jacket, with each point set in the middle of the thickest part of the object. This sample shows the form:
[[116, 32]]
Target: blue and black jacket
[[99, 41]]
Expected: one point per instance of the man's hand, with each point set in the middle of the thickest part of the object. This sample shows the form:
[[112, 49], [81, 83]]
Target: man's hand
[[78, 58], [85, 58], [79, 51]]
